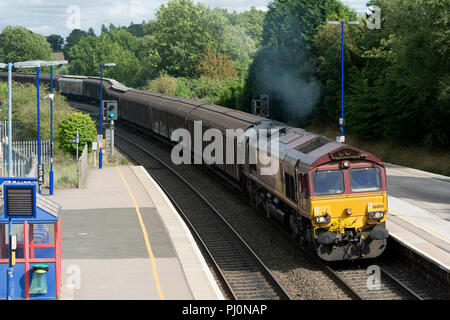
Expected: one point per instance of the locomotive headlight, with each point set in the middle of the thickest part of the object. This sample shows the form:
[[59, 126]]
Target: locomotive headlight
[[376, 215], [323, 219], [345, 164]]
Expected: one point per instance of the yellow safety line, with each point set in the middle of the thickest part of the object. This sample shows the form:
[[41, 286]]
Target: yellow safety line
[[147, 241], [420, 225]]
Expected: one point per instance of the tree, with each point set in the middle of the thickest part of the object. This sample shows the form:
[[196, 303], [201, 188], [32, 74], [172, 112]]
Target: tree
[[326, 53], [149, 58], [216, 65], [282, 67], [136, 30], [90, 52], [396, 78], [251, 21], [19, 44], [103, 29], [72, 39], [411, 88], [123, 38], [56, 42], [182, 34], [236, 44]]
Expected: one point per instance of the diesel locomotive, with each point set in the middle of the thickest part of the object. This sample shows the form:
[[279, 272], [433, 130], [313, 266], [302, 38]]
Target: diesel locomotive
[[330, 196]]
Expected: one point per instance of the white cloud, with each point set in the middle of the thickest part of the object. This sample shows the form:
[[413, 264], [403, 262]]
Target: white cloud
[[135, 10], [41, 29], [50, 16]]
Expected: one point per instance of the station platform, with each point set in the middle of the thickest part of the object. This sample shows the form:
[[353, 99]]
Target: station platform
[[123, 239], [419, 212]]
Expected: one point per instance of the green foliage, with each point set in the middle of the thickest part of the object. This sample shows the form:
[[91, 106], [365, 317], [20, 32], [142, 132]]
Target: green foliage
[[216, 65], [24, 108], [283, 67], [19, 44], [136, 30], [91, 51], [182, 34], [163, 84], [225, 92], [56, 42], [396, 78], [68, 127], [231, 94], [251, 21], [72, 39]]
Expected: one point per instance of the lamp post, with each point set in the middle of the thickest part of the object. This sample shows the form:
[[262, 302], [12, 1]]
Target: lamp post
[[9, 65], [51, 96], [341, 120], [37, 65], [100, 156]]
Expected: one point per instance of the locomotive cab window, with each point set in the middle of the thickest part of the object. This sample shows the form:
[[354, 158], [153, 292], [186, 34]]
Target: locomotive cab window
[[365, 179], [290, 187], [328, 182]]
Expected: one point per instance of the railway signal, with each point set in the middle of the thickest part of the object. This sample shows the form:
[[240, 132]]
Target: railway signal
[[110, 110], [264, 105], [261, 107], [100, 157]]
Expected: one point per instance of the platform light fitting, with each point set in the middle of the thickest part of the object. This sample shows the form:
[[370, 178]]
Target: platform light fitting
[[29, 64], [53, 63]]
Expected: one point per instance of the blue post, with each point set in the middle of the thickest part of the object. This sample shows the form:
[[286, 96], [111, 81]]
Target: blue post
[[9, 121], [10, 270], [342, 80], [100, 157], [38, 124], [51, 132]]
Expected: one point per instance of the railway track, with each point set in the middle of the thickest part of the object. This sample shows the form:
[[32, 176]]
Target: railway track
[[364, 285], [244, 273], [241, 271], [236, 265]]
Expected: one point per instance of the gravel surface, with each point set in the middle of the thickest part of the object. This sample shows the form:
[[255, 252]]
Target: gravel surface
[[301, 278]]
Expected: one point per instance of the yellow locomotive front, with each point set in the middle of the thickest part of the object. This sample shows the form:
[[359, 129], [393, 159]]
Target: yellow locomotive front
[[348, 206]]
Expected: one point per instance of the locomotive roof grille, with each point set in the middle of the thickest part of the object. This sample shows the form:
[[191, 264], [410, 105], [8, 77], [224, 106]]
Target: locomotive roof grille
[[313, 144]]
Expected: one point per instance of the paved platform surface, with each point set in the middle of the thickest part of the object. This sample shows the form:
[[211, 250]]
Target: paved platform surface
[[122, 239], [419, 211]]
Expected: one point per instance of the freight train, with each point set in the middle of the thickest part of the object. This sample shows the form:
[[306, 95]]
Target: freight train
[[330, 196]]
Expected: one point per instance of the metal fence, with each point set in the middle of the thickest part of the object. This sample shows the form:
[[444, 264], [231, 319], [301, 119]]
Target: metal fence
[[22, 156], [17, 129]]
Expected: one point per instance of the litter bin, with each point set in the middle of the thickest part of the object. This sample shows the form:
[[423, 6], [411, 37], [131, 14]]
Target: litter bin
[[39, 279]]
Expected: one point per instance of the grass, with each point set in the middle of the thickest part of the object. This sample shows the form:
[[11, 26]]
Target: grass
[[396, 153], [65, 168]]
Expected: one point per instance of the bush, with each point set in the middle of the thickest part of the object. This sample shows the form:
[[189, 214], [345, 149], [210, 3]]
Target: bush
[[164, 84], [231, 94], [68, 127], [226, 92]]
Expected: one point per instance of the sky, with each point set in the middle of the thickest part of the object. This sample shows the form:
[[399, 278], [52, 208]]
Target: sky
[[61, 16]]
